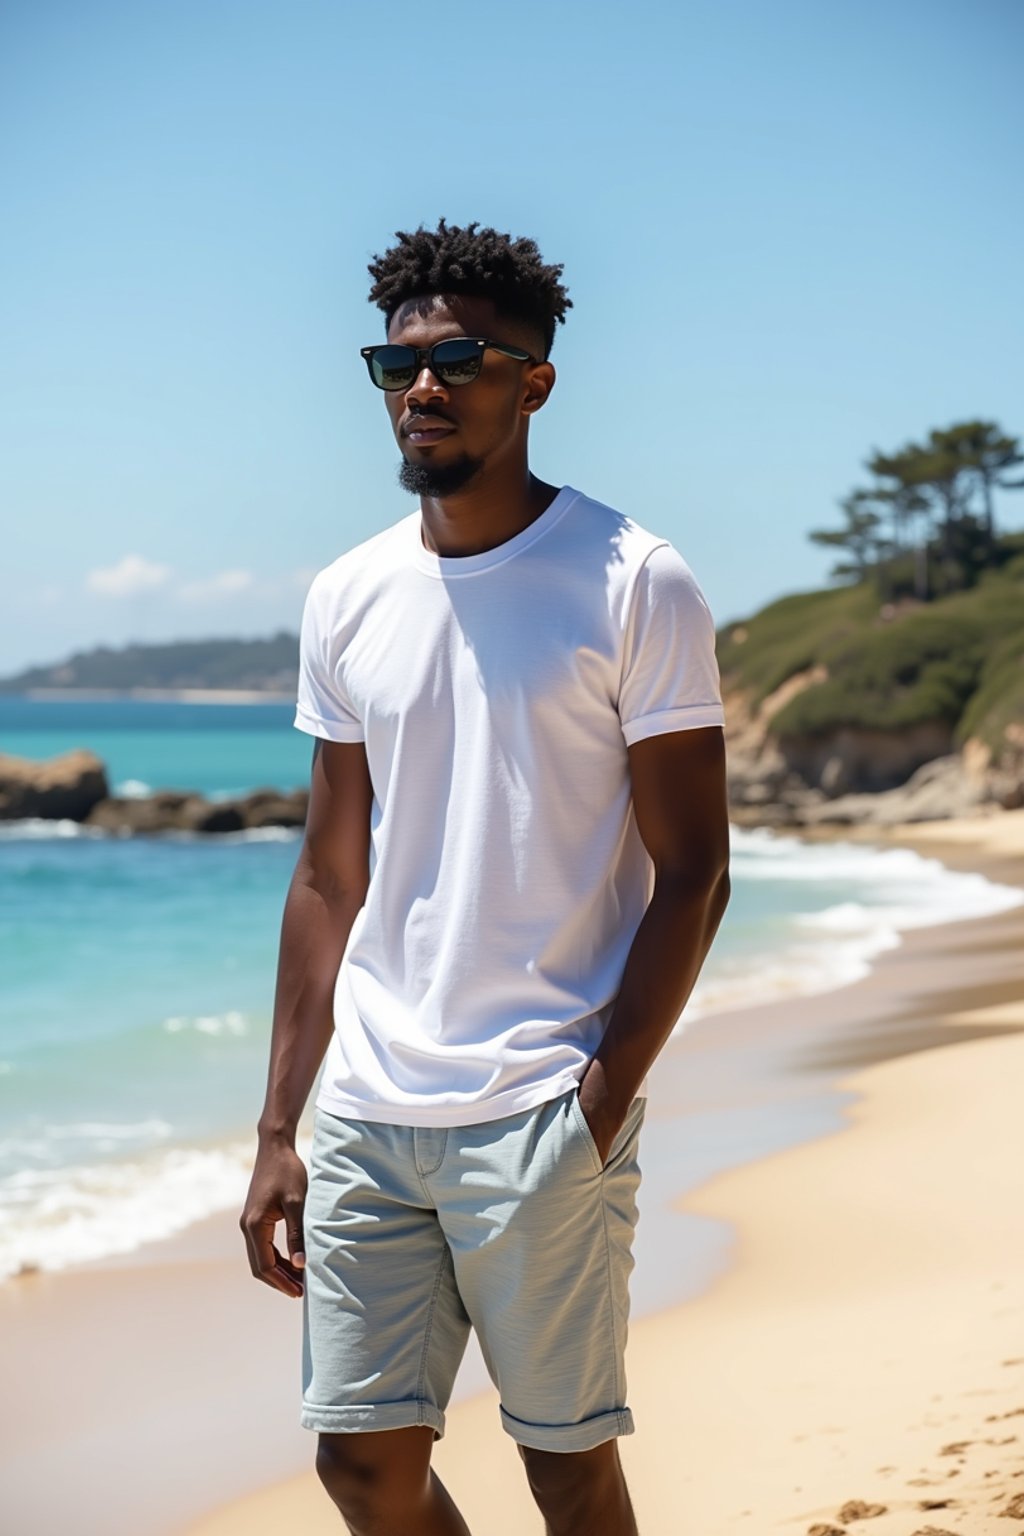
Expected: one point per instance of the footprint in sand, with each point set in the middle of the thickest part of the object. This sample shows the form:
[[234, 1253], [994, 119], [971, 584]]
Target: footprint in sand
[[857, 1509], [853, 1509]]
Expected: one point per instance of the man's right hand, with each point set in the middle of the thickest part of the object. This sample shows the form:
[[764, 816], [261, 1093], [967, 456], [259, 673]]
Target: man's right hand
[[277, 1192], [327, 891]]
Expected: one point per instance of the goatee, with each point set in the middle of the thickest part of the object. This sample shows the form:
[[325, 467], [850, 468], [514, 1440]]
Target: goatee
[[438, 480]]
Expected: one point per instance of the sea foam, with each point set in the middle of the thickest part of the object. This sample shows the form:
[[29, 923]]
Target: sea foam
[[896, 890], [231, 1023], [53, 1218], [42, 829], [133, 789]]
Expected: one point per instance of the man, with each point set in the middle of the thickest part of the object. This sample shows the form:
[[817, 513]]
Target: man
[[515, 861]]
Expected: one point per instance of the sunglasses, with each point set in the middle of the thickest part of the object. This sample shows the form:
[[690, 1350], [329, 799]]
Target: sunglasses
[[455, 361]]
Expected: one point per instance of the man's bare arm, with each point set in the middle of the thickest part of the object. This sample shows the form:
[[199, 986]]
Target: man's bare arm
[[327, 890], [679, 798]]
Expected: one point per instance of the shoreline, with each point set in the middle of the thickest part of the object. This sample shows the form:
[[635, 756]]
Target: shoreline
[[788, 1063], [157, 695], [667, 1173]]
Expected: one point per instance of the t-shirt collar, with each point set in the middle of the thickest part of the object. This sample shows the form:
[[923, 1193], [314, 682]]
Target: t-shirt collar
[[472, 565]]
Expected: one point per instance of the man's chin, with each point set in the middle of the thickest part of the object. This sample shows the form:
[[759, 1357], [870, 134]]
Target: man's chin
[[437, 480]]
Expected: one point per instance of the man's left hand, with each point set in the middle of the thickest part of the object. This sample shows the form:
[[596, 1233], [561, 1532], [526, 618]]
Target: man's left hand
[[603, 1119]]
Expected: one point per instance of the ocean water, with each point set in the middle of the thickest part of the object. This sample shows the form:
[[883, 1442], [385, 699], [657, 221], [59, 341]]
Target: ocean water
[[218, 749], [137, 974]]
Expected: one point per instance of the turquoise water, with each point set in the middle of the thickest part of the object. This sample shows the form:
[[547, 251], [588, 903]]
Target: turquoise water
[[219, 749], [140, 971], [138, 974]]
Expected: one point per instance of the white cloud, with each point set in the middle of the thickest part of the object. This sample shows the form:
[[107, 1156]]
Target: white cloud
[[224, 584], [134, 575], [131, 575]]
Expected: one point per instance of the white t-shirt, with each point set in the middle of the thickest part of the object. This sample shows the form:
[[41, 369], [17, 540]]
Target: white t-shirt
[[496, 695]]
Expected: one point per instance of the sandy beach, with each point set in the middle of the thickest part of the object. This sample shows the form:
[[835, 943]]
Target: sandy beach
[[851, 1357]]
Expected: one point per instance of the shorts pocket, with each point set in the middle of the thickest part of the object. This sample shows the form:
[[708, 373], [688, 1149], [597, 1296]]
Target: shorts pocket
[[576, 1110], [623, 1135]]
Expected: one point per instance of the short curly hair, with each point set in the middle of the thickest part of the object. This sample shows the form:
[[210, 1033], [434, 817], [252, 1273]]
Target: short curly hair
[[479, 263]]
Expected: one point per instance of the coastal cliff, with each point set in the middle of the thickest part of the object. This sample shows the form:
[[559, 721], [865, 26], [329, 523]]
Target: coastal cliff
[[840, 708]]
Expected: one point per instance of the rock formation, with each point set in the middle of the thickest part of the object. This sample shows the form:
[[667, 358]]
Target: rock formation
[[856, 776], [64, 787], [74, 787], [173, 811]]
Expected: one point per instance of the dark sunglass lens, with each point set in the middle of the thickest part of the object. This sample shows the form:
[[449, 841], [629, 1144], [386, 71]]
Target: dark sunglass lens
[[457, 362], [393, 367]]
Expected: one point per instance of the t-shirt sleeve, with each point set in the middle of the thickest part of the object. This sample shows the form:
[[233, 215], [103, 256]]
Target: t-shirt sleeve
[[670, 678], [323, 707]]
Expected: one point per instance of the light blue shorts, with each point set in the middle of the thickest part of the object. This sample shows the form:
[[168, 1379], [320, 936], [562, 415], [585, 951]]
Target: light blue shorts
[[512, 1227]]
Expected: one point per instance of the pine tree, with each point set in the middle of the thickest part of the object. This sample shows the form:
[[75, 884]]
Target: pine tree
[[859, 537], [984, 452]]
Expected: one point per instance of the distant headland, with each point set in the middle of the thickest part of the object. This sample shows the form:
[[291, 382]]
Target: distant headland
[[193, 671]]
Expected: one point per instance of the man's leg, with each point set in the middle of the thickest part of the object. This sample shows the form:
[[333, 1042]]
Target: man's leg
[[541, 1236], [580, 1490], [383, 1485], [384, 1326]]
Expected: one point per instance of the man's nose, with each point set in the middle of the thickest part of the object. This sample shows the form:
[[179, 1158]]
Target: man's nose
[[426, 388]]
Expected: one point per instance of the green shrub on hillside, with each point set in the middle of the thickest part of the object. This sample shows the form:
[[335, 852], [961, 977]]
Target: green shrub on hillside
[[790, 635], [922, 666], [999, 697], [958, 659], [998, 701]]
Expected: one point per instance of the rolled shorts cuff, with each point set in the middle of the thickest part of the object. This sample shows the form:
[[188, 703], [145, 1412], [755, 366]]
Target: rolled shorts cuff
[[569, 1437], [334, 1420]]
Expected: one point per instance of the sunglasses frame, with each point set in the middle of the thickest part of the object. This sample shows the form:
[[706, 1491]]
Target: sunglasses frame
[[425, 357]]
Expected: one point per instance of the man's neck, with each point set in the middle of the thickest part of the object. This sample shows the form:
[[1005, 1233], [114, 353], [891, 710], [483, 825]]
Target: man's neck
[[487, 513]]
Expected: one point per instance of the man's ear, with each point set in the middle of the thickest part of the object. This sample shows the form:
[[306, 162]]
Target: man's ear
[[538, 387]]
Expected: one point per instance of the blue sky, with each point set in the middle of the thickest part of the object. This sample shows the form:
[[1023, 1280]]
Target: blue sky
[[808, 217]]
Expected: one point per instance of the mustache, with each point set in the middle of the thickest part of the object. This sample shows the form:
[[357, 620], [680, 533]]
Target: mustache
[[414, 421]]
